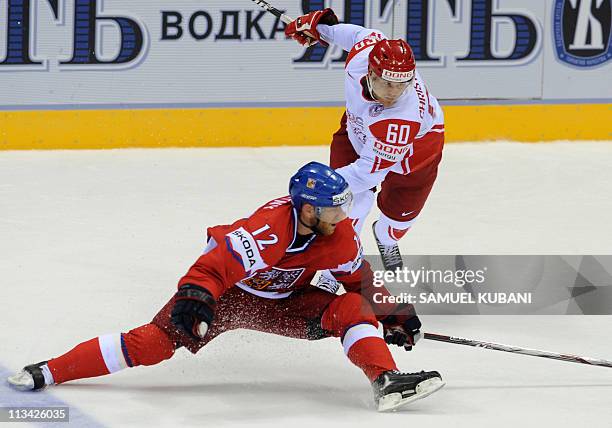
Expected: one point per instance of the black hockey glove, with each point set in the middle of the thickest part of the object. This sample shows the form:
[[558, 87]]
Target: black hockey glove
[[402, 327], [193, 310]]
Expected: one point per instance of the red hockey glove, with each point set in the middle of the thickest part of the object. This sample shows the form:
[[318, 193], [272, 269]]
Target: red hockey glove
[[193, 310], [402, 327], [304, 28]]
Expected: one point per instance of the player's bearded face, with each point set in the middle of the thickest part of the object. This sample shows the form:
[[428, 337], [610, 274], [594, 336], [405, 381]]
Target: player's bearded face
[[385, 92], [323, 220], [328, 218]]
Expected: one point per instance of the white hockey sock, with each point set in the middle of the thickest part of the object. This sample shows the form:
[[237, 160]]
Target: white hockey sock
[[47, 375], [389, 231]]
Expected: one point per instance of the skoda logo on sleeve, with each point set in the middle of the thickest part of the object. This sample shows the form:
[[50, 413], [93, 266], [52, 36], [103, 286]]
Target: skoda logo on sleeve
[[582, 31]]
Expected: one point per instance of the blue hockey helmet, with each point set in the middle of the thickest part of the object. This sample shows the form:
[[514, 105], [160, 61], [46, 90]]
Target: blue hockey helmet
[[321, 187]]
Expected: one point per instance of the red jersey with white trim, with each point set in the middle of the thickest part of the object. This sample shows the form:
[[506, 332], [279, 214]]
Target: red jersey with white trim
[[382, 137], [263, 255]]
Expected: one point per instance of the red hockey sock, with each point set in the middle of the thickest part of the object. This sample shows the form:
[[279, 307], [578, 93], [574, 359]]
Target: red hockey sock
[[84, 360], [367, 350], [146, 345]]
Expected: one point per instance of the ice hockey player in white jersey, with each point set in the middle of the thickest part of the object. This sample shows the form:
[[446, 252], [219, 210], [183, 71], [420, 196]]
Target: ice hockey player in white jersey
[[392, 133]]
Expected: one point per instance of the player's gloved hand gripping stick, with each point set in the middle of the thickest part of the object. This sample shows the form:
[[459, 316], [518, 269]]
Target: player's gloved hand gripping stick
[[402, 327], [193, 310]]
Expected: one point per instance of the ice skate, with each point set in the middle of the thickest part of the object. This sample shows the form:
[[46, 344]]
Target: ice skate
[[390, 254], [393, 389], [31, 378]]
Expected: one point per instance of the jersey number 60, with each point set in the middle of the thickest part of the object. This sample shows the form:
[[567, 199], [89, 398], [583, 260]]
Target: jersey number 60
[[398, 134]]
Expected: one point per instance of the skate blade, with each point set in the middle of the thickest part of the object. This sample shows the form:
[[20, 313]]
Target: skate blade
[[22, 381], [395, 401]]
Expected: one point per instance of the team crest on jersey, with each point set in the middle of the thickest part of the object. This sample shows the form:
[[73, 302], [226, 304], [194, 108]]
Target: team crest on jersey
[[274, 279], [582, 31], [376, 110]]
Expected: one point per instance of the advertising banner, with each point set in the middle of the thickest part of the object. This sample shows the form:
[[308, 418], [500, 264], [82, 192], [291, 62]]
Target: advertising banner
[[224, 53]]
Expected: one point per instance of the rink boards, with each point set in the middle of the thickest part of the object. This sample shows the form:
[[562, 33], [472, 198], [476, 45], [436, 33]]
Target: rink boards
[[90, 74], [281, 126]]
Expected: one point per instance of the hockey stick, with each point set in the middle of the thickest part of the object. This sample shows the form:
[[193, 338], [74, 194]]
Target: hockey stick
[[274, 11], [517, 350]]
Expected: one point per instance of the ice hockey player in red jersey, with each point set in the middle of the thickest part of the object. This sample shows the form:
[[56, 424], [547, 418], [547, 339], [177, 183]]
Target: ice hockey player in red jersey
[[392, 132], [255, 274]]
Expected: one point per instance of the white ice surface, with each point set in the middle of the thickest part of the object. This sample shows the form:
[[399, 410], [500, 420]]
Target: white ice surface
[[93, 242]]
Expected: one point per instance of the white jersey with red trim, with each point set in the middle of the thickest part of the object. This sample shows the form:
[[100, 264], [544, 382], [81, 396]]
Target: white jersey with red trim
[[382, 137]]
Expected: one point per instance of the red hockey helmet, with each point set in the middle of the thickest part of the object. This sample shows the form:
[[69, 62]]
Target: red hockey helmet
[[392, 60]]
